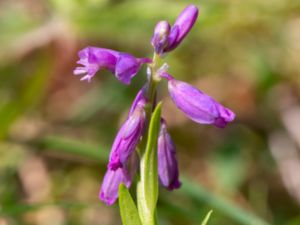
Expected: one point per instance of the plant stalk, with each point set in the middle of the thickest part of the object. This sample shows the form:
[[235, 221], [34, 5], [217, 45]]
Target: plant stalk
[[148, 217]]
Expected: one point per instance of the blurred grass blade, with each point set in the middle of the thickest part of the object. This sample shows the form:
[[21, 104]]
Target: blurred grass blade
[[147, 188], [205, 221], [199, 194], [19, 208], [74, 147], [128, 210], [26, 97]]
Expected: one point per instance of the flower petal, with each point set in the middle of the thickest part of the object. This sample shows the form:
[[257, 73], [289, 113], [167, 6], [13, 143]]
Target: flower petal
[[110, 185], [127, 67]]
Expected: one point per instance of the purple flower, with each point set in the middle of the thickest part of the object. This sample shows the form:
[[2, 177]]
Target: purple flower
[[167, 162], [123, 65], [110, 185], [129, 135], [164, 39], [198, 106]]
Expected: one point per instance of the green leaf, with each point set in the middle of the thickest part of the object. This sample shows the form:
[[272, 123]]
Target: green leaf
[[205, 221], [128, 210], [147, 188]]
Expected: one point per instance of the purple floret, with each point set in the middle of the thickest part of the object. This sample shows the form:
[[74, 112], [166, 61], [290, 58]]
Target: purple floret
[[167, 163], [123, 65]]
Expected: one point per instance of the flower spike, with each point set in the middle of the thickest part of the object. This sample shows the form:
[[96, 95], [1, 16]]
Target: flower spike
[[196, 105]]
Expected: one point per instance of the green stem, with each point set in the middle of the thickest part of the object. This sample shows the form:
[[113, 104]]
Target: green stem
[[151, 92], [148, 217], [153, 80]]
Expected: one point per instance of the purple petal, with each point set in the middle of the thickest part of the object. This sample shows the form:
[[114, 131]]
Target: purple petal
[[167, 162], [93, 59], [110, 185], [132, 164], [132, 124], [198, 106], [127, 66], [225, 117], [113, 178], [172, 43], [138, 98], [128, 137]]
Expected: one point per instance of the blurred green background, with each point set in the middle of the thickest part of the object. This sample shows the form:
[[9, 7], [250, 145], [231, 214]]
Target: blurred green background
[[56, 132]]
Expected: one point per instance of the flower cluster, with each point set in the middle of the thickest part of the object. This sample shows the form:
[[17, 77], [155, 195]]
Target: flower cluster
[[195, 104]]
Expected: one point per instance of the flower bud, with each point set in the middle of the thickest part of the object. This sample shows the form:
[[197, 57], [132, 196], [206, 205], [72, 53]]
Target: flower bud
[[167, 162], [182, 26], [197, 105], [160, 38]]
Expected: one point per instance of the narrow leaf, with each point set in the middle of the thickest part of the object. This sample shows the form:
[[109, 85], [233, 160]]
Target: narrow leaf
[[128, 210], [205, 221], [147, 189], [150, 169]]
